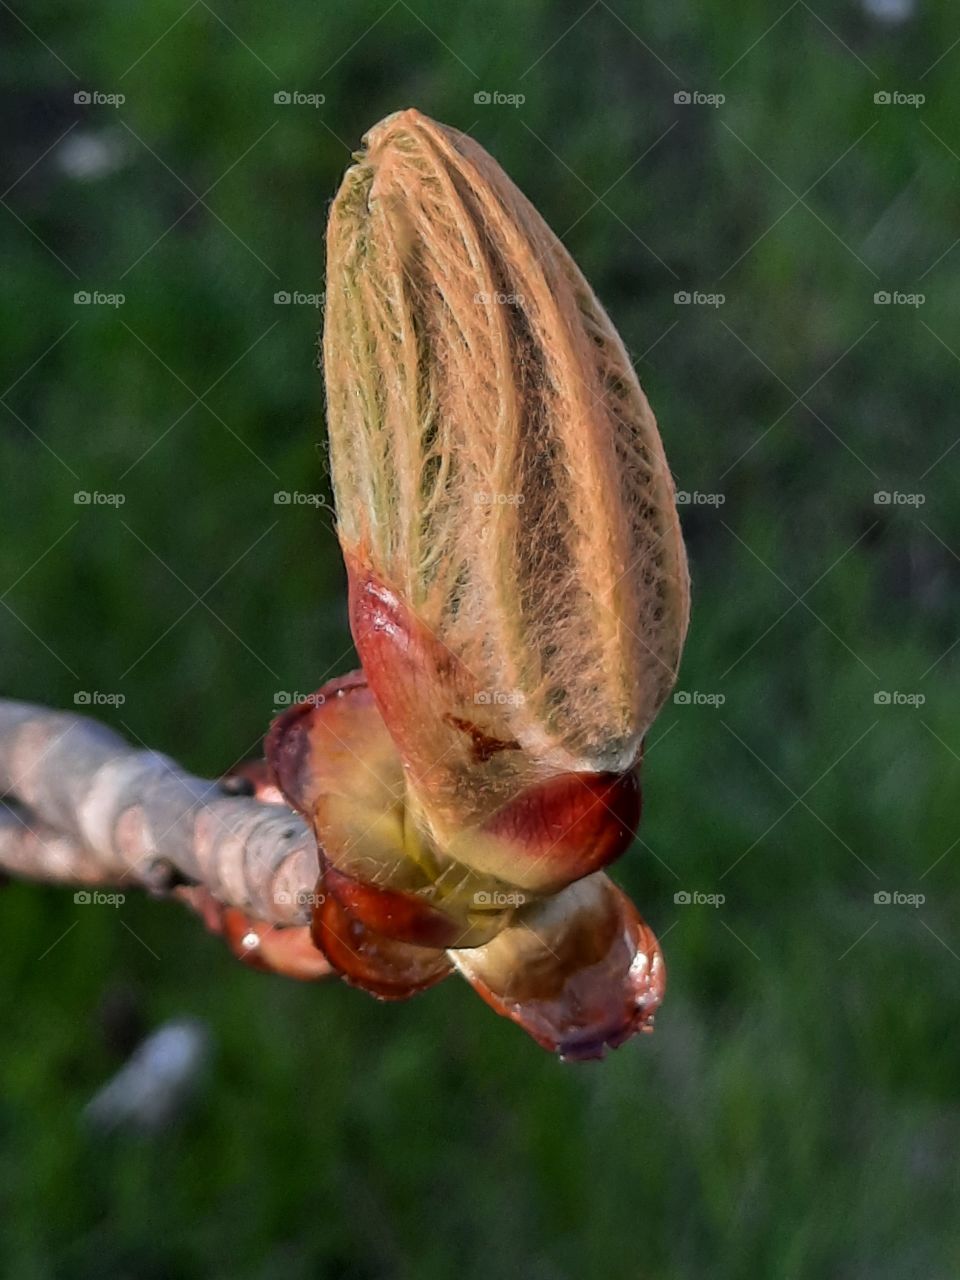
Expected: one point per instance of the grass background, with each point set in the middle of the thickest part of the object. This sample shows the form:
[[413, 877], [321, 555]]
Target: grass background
[[796, 1113]]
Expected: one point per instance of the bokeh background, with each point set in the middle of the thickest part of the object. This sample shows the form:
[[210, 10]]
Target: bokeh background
[[796, 1113]]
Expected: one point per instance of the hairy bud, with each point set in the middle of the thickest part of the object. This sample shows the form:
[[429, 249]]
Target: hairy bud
[[495, 461]]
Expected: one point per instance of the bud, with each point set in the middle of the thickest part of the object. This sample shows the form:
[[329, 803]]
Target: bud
[[576, 594], [509, 527]]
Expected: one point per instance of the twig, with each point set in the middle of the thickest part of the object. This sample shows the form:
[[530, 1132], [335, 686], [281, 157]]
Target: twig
[[83, 807]]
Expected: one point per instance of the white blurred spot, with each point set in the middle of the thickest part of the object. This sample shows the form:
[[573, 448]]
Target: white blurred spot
[[891, 12], [152, 1089], [87, 156]]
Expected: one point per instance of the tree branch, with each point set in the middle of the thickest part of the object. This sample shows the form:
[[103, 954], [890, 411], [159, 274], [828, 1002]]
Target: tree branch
[[81, 806]]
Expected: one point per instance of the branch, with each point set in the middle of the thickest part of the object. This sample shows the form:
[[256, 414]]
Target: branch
[[83, 807]]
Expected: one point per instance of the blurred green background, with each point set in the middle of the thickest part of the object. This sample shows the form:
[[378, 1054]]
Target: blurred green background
[[796, 1113]]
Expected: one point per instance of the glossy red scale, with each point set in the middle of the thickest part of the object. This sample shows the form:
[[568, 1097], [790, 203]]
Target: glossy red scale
[[382, 966], [574, 824], [335, 761], [390, 913]]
